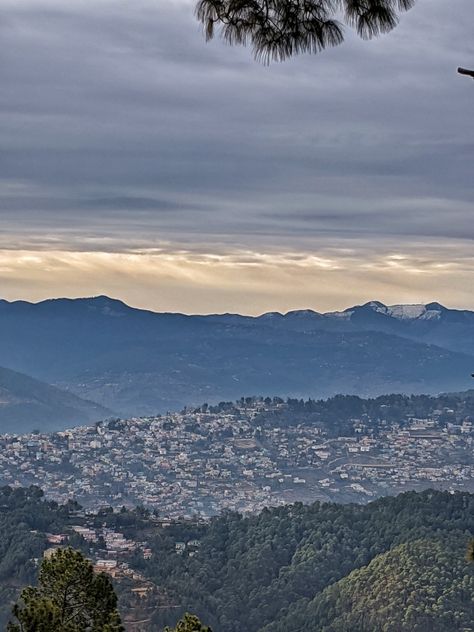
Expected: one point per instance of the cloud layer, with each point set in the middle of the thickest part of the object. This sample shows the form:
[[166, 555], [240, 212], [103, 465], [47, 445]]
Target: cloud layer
[[123, 133]]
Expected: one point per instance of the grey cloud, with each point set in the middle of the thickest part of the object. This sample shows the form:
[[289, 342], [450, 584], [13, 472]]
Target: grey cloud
[[118, 120]]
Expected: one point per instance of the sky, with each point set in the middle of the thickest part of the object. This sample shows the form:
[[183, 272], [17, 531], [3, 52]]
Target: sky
[[139, 161]]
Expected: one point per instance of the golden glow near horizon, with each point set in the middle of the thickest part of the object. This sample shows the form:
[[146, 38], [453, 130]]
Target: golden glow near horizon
[[141, 163], [242, 281]]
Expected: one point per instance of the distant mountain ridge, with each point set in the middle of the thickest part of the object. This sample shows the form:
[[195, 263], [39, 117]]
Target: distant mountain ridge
[[401, 311], [432, 322], [370, 310], [139, 362]]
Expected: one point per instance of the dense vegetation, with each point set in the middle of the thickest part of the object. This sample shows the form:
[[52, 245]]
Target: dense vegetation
[[336, 415], [394, 565], [298, 565], [189, 623], [69, 597], [24, 520], [418, 586]]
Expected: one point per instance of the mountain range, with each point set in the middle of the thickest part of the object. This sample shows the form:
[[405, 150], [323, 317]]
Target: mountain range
[[133, 361]]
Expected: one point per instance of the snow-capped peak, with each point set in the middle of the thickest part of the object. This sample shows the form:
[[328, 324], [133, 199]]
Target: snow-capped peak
[[406, 312], [412, 312], [416, 311]]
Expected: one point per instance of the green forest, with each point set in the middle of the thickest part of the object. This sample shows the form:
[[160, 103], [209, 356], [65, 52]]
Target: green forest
[[396, 564]]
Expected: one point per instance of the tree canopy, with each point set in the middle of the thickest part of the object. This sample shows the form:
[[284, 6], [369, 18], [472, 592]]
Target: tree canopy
[[189, 623], [278, 29], [273, 572], [396, 563], [69, 597]]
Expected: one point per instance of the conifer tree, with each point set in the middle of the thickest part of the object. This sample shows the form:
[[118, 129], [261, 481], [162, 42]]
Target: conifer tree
[[278, 29], [69, 597], [189, 623]]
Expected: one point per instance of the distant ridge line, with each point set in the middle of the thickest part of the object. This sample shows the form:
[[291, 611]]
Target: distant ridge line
[[105, 300]]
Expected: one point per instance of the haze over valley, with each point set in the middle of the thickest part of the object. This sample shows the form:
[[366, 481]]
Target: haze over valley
[[135, 362]]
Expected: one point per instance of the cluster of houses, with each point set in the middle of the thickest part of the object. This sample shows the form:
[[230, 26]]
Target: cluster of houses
[[204, 461], [109, 548]]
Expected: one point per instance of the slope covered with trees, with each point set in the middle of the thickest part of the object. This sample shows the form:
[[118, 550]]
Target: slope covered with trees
[[419, 586], [395, 565], [271, 571]]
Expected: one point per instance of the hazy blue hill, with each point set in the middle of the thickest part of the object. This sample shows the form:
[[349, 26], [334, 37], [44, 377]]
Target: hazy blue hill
[[26, 404], [137, 362], [432, 323], [436, 324]]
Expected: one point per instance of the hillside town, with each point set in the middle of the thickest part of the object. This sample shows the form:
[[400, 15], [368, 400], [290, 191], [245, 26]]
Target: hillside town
[[203, 461]]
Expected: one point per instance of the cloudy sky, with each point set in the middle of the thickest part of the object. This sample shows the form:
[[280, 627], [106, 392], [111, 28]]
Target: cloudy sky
[[138, 161]]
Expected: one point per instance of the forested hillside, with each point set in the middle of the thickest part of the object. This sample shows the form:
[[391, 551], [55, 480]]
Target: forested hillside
[[395, 565], [296, 567], [420, 586]]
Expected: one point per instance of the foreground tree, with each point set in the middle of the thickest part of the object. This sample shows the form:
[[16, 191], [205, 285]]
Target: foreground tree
[[69, 597], [278, 29], [189, 623]]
